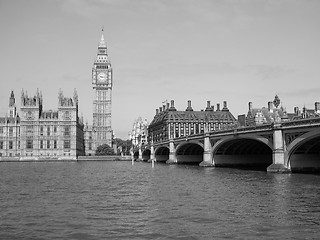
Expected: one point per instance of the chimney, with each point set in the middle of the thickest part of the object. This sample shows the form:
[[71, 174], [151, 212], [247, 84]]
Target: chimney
[[172, 108], [208, 108], [250, 106], [160, 109], [189, 108], [296, 110], [225, 108], [218, 106], [157, 111], [168, 106], [317, 107], [270, 106], [163, 107]]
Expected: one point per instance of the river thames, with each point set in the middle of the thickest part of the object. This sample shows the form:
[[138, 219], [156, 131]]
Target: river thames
[[115, 200]]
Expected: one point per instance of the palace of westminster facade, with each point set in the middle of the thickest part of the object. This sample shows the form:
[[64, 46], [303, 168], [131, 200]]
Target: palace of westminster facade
[[36, 134]]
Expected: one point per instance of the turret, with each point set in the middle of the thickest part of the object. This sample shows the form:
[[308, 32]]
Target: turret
[[75, 97], [276, 101], [12, 100], [31, 107], [12, 111]]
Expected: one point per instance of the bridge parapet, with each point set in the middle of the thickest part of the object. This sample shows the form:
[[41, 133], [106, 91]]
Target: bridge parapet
[[302, 122]]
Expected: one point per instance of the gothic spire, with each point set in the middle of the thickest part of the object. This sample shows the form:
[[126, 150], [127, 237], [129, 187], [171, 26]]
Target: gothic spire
[[102, 43], [11, 99]]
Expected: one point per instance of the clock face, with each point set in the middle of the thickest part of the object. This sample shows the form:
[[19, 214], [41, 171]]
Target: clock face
[[102, 77]]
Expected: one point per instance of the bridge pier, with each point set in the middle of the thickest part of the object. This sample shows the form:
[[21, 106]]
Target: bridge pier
[[152, 154], [172, 153], [208, 160], [278, 156]]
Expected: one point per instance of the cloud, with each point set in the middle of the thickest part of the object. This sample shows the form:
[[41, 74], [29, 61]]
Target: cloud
[[302, 92], [83, 8], [71, 78], [270, 72]]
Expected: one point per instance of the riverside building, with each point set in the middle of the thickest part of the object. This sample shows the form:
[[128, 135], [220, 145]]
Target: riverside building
[[169, 123], [139, 133], [275, 112], [36, 134]]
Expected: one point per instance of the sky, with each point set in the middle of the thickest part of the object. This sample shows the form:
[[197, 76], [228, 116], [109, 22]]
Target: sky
[[199, 50]]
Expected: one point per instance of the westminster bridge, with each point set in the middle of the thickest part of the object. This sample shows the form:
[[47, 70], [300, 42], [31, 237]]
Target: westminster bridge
[[292, 146]]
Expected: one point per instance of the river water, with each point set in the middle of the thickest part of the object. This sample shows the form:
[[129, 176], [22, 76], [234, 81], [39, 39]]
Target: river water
[[115, 200]]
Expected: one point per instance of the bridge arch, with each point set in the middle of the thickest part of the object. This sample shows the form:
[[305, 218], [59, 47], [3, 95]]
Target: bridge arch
[[136, 155], [190, 152], [162, 153], [146, 153], [249, 152], [304, 153]]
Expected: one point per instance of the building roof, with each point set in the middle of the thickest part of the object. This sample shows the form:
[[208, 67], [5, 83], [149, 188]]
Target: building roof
[[270, 116], [49, 114], [193, 116], [9, 119]]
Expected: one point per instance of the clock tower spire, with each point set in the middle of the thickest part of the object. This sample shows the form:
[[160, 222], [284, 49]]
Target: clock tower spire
[[102, 89]]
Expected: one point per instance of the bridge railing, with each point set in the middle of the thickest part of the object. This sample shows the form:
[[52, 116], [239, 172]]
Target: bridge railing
[[302, 122], [242, 129]]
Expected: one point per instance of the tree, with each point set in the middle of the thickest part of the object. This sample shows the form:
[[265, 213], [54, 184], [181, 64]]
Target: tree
[[124, 145], [104, 149]]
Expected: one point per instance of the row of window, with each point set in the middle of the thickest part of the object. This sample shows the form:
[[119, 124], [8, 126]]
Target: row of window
[[10, 146], [102, 121], [102, 95], [11, 154], [48, 144], [181, 130], [102, 108], [102, 66], [101, 135], [67, 130], [54, 155], [48, 130], [10, 131]]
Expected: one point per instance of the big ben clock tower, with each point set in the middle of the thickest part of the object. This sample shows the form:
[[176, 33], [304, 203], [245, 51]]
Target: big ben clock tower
[[102, 89]]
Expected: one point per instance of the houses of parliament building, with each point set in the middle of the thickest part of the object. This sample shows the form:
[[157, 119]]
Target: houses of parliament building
[[38, 134]]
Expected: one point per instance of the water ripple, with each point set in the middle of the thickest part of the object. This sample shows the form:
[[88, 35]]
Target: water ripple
[[115, 200]]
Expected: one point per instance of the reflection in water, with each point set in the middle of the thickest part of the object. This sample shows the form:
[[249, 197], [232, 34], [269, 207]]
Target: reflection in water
[[94, 200]]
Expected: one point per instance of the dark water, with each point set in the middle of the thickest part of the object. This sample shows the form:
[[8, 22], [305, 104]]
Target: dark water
[[115, 200]]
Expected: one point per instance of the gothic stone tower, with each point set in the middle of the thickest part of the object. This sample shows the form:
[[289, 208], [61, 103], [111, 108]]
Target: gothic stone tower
[[31, 110], [102, 89]]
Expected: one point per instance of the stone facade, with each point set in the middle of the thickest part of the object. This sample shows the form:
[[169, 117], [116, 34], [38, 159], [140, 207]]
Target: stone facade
[[168, 123], [100, 132], [41, 135], [10, 132], [275, 113], [139, 133]]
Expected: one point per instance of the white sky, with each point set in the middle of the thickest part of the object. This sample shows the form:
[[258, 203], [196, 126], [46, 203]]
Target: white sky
[[198, 50]]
